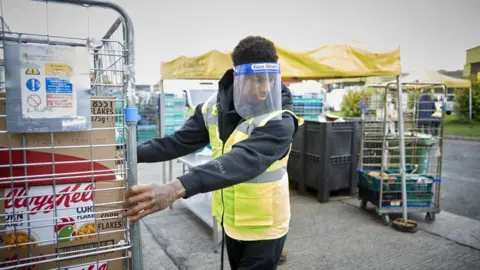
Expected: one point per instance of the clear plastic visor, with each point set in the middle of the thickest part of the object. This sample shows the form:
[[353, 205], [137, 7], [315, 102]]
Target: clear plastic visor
[[257, 89]]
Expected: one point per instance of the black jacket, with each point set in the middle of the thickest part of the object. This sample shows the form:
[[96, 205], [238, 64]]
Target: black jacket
[[247, 159]]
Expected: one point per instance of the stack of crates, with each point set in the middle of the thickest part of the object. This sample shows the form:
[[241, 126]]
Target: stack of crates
[[309, 108], [146, 132], [174, 113], [120, 131], [147, 124]]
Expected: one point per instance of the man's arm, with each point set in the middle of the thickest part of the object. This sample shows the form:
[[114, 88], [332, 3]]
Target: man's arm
[[190, 138], [246, 160]]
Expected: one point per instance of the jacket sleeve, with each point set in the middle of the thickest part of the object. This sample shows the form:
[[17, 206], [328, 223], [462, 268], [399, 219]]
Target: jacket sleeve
[[247, 159], [190, 138]]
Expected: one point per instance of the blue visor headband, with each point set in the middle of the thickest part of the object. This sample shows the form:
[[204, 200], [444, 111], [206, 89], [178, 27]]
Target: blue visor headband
[[257, 68]]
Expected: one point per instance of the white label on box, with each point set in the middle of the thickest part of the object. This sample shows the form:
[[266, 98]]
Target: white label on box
[[49, 77], [49, 88], [70, 212], [95, 266]]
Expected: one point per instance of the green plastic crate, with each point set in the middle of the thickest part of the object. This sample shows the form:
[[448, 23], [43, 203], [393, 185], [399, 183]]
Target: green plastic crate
[[418, 194], [419, 199]]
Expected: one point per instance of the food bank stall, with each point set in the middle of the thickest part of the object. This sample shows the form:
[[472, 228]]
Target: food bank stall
[[326, 62]]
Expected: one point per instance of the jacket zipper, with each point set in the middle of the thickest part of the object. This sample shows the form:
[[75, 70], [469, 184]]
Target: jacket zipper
[[220, 111], [221, 191]]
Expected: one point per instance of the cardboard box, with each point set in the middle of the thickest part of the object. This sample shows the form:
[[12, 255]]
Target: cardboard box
[[105, 265], [74, 211], [69, 222], [39, 261], [45, 157]]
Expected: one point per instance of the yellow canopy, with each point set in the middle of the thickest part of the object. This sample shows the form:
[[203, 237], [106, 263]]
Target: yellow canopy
[[349, 62], [426, 76], [326, 62]]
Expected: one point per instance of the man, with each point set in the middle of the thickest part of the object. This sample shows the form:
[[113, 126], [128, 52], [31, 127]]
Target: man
[[425, 110], [250, 136]]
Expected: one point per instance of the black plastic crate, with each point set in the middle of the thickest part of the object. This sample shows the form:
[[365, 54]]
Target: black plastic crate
[[323, 175], [332, 137], [325, 157]]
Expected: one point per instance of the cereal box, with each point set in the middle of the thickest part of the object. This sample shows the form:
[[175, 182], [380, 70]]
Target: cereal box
[[105, 265], [59, 153], [94, 266], [46, 215], [40, 259]]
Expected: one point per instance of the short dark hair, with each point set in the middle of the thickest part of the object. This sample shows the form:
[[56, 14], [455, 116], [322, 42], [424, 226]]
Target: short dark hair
[[254, 49]]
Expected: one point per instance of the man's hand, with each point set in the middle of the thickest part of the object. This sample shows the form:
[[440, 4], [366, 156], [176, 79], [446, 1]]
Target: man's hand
[[148, 199]]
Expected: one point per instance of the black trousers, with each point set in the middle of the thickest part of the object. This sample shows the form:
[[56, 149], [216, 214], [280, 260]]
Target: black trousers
[[252, 255]]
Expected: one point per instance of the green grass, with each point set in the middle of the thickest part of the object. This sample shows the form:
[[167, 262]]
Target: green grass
[[340, 114], [454, 127]]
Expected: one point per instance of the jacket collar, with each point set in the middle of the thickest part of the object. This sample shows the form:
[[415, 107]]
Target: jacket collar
[[225, 92], [227, 79]]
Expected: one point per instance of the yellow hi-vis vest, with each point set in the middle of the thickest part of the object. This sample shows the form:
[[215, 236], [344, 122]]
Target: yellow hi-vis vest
[[258, 209]]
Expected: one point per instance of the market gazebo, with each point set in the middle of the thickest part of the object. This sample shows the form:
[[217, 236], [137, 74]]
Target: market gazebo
[[326, 62]]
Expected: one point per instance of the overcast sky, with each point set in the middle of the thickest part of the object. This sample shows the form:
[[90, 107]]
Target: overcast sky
[[431, 33]]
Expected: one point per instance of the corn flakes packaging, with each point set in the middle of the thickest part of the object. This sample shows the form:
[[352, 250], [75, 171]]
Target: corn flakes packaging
[[46, 215]]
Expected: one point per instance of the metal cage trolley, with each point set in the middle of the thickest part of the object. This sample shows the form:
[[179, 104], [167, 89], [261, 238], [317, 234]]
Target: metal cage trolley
[[380, 170], [68, 148]]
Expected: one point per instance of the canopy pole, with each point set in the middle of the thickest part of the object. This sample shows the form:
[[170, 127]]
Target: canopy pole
[[402, 148], [161, 127], [470, 103]]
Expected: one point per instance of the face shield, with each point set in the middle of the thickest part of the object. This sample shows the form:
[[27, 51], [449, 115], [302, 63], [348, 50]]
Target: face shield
[[257, 89]]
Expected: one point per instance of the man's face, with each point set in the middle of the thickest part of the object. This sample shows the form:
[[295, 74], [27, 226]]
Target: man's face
[[259, 86]]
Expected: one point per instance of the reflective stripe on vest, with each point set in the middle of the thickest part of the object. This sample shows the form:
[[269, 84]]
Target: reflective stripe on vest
[[209, 110], [258, 209], [210, 117]]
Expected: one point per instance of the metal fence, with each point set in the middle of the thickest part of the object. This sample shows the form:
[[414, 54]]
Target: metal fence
[[61, 192]]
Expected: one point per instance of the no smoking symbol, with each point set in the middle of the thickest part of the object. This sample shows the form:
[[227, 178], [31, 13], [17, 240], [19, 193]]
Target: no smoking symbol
[[34, 101]]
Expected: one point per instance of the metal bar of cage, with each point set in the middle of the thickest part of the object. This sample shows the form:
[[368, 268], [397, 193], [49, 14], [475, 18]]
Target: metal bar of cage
[[127, 82]]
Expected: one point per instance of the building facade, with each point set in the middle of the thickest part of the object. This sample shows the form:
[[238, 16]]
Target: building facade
[[472, 66]]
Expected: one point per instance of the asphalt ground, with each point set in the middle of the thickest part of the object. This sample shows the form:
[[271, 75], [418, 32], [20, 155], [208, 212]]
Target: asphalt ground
[[460, 187]]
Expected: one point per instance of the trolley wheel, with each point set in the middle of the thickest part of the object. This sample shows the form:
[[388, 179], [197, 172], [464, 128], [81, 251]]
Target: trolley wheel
[[386, 219], [430, 217], [363, 204]]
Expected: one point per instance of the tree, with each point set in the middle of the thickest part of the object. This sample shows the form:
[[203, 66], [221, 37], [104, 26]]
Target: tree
[[352, 99], [462, 102]]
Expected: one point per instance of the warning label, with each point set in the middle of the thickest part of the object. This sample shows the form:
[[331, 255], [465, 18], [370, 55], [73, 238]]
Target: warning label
[[56, 85], [50, 93], [50, 87], [34, 101], [58, 69], [32, 71], [33, 85], [58, 91], [59, 101]]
